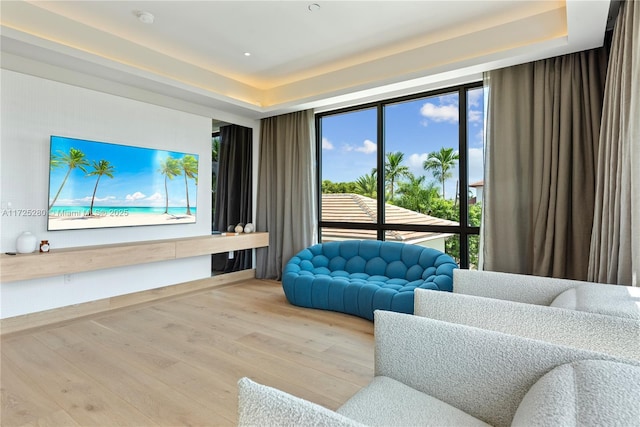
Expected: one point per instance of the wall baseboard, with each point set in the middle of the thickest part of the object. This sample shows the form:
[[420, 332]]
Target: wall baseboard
[[47, 318]]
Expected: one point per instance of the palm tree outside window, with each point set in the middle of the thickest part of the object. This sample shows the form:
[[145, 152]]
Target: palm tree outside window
[[429, 147], [441, 164]]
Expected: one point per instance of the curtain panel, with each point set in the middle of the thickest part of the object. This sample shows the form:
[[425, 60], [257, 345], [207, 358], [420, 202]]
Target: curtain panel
[[286, 205], [543, 125], [234, 191], [615, 242]]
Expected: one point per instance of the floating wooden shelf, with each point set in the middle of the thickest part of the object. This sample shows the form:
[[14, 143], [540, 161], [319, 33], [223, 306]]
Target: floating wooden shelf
[[87, 258]]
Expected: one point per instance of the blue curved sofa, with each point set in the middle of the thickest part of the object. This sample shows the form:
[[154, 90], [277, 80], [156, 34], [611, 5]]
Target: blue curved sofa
[[360, 276]]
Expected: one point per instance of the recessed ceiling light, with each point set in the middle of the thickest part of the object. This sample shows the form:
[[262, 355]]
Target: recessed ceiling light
[[247, 54], [313, 7], [144, 16]]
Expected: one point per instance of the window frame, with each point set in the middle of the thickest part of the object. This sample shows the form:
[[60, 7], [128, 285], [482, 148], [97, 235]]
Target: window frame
[[463, 230]]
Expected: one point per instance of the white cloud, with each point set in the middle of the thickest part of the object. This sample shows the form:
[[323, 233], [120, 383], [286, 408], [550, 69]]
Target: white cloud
[[476, 164], [474, 96], [98, 199], [72, 202], [135, 196], [367, 147], [155, 197], [442, 113], [450, 99], [326, 144], [475, 116], [479, 138], [415, 162]]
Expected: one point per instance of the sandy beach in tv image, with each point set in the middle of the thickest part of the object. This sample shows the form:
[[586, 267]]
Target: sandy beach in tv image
[[78, 218], [103, 185]]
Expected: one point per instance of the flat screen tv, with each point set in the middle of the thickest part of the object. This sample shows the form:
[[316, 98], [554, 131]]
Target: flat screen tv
[[98, 185]]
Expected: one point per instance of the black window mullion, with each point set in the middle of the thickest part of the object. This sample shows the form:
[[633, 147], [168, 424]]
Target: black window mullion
[[463, 170], [381, 172], [318, 120]]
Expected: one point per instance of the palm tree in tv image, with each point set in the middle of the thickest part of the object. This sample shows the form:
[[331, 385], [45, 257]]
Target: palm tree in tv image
[[73, 159], [440, 164], [103, 167], [189, 166], [170, 168]]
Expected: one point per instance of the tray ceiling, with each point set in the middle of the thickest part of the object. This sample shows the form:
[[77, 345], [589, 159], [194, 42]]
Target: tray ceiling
[[302, 53]]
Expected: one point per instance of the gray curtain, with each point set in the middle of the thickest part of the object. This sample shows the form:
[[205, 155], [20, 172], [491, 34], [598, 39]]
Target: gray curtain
[[615, 242], [233, 191], [543, 124], [286, 205]]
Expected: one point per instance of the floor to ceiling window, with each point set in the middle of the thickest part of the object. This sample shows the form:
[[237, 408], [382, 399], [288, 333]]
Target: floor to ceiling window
[[408, 169]]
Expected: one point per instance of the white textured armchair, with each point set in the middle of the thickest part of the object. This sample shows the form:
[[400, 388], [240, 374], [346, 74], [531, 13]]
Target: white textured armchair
[[598, 317], [429, 372]]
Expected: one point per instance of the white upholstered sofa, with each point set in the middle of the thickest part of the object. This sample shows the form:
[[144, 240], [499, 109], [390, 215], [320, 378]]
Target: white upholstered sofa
[[431, 372], [598, 317], [612, 300]]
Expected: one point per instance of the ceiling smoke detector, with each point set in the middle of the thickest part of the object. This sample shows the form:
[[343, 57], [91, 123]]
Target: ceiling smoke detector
[[144, 17]]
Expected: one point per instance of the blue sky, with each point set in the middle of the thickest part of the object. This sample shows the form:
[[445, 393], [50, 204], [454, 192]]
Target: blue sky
[[136, 180], [415, 128]]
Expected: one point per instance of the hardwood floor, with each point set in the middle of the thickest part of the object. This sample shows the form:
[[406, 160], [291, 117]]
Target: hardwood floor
[[176, 362]]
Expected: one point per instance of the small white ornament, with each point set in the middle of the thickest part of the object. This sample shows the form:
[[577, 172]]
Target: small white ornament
[[249, 228], [26, 243], [239, 228]]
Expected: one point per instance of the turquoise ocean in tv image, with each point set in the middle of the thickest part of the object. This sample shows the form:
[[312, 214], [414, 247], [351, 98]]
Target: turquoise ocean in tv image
[[117, 210]]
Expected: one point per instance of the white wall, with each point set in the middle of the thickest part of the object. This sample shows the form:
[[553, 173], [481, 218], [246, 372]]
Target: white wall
[[32, 109]]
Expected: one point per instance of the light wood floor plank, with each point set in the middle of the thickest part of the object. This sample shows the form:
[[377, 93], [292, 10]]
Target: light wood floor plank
[[177, 361], [147, 394], [197, 348], [86, 401], [22, 403], [55, 419]]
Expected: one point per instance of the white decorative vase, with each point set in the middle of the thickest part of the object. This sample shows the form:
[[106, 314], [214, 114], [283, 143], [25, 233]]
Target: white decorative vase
[[26, 243]]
